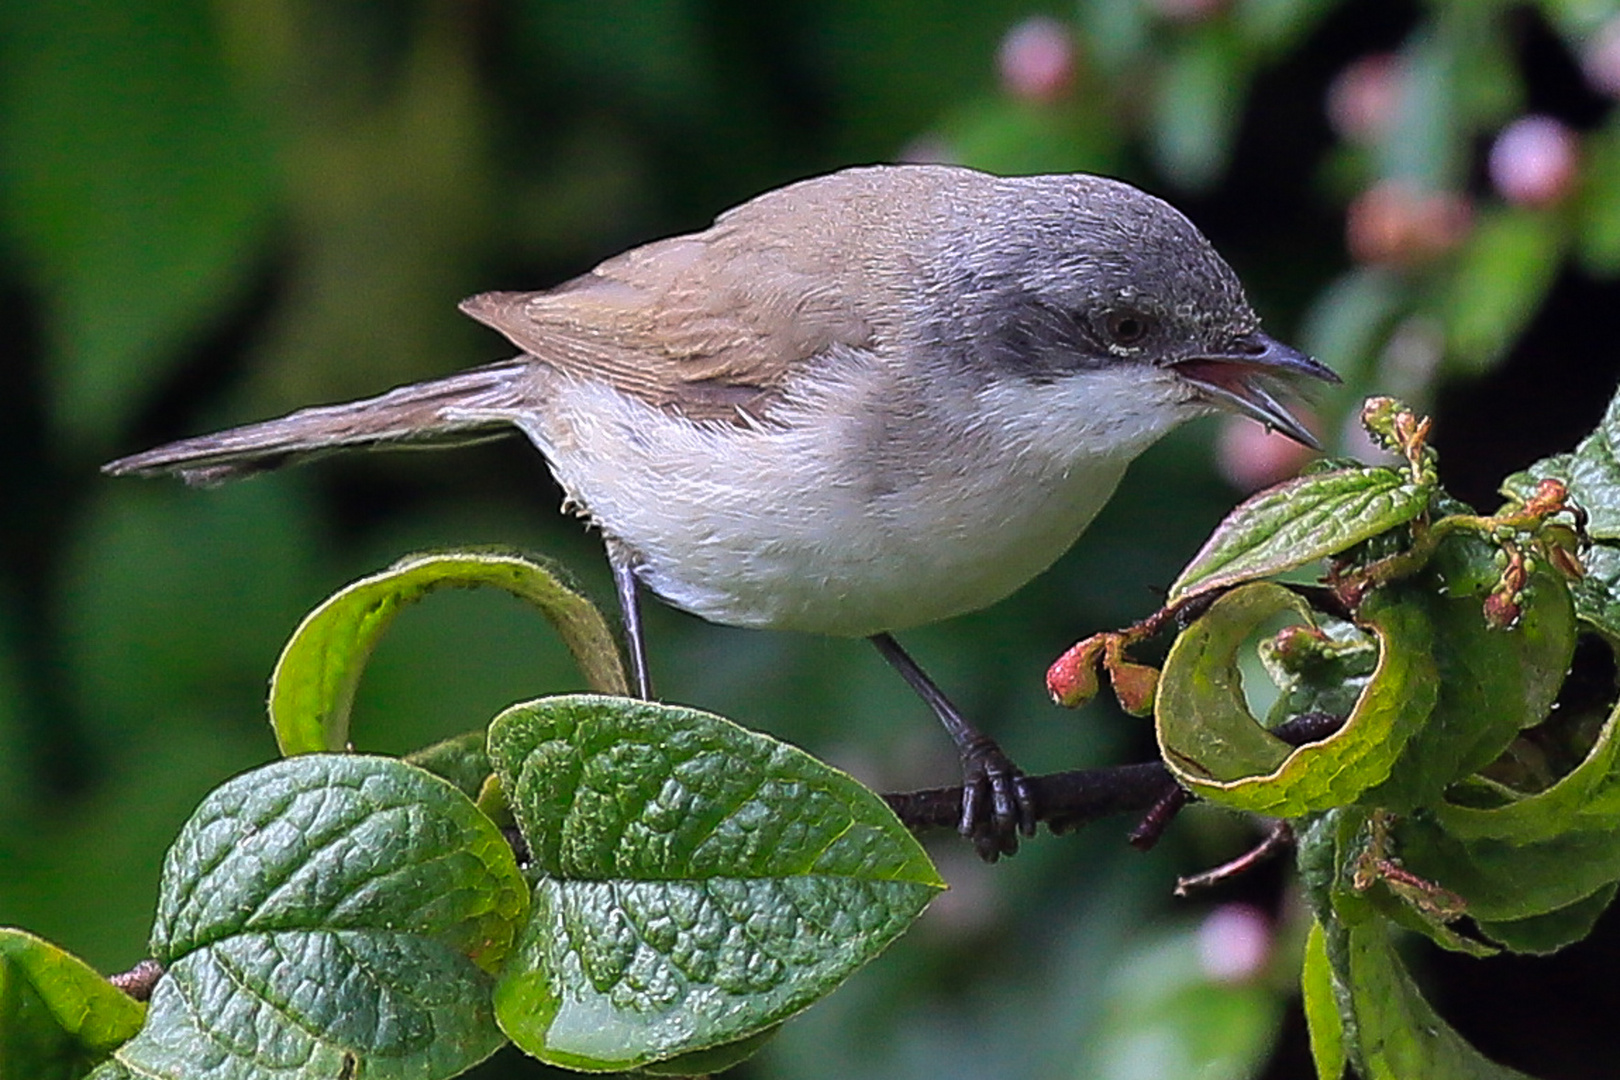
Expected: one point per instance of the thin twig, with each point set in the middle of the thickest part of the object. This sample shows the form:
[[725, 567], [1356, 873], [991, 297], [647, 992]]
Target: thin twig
[[1279, 837]]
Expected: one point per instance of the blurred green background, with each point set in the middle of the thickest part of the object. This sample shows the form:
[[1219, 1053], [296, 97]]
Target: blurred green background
[[211, 212]]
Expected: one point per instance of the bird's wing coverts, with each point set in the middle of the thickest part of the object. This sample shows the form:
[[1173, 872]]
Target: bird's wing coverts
[[717, 321]]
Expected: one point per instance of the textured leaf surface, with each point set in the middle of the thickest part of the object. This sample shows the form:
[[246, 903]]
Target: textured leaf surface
[[1219, 751], [700, 882], [1492, 682], [1322, 1008], [317, 1004], [1592, 473], [1300, 521], [1398, 1036], [58, 1016], [329, 916], [1384, 1027], [462, 759], [1597, 595], [312, 690]]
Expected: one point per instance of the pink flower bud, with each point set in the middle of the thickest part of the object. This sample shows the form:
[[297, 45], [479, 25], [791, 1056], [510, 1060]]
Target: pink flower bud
[[1363, 99], [1394, 222], [1135, 685], [1502, 610], [1072, 679], [1234, 943], [1036, 60], [1534, 160]]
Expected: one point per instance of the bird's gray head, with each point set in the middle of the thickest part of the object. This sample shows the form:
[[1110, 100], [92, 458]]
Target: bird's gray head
[[1055, 275]]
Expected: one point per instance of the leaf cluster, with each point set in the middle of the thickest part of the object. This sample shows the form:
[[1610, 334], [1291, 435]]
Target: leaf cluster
[[1454, 796], [608, 884]]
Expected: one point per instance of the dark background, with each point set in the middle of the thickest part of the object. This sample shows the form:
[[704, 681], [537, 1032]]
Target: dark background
[[214, 212]]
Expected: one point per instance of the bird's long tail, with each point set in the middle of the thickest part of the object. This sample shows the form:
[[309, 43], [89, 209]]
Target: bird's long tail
[[470, 406]]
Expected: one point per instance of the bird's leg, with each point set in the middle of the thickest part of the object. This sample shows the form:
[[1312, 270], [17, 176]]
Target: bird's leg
[[997, 802], [629, 591]]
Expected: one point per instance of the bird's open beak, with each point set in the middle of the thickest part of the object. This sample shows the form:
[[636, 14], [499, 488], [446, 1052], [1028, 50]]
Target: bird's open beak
[[1239, 380]]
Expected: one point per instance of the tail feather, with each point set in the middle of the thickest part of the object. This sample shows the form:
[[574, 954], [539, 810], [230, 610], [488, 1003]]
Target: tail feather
[[470, 406]]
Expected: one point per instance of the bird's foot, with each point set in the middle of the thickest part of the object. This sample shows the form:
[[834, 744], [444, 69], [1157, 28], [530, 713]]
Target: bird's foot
[[997, 801]]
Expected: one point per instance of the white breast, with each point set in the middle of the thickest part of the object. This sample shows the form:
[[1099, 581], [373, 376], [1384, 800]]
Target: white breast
[[852, 512]]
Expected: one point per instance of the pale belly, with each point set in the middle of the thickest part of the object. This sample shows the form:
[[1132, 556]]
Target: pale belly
[[812, 561], [773, 528]]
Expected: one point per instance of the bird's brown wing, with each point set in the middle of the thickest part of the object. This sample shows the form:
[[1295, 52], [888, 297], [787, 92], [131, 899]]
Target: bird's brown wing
[[716, 322]]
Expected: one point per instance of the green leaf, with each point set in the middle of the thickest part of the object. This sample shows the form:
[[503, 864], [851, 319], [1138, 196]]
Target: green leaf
[[317, 1004], [1521, 485], [699, 882], [1592, 473], [1540, 935], [1597, 595], [1321, 1009], [329, 916], [1163, 1007], [1502, 274], [1202, 716], [1300, 521], [1397, 1035], [58, 1016], [312, 690], [1493, 683], [339, 842], [1505, 882], [138, 183], [1585, 799], [1325, 676], [463, 760], [1215, 747]]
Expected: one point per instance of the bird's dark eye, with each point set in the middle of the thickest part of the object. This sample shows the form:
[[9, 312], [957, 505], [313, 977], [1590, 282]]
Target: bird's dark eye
[[1126, 327]]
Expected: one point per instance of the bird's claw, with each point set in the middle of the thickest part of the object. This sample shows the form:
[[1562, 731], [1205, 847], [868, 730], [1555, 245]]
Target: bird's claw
[[997, 801]]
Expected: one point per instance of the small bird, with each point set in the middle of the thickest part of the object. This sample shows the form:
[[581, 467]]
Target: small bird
[[855, 404]]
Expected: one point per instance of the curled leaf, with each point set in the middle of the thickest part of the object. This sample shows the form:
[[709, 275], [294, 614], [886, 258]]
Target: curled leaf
[[312, 689], [1217, 749], [58, 1016]]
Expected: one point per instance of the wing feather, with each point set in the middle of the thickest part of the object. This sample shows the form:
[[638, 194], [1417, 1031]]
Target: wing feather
[[716, 323]]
